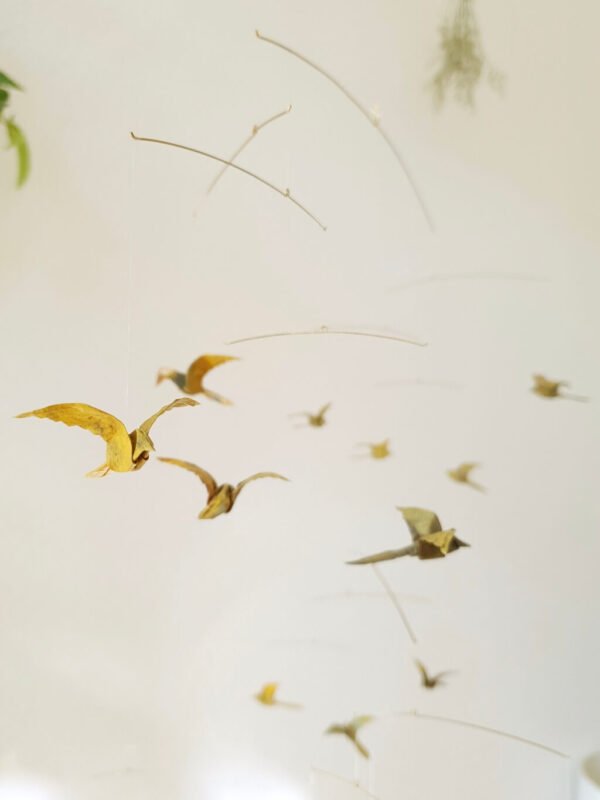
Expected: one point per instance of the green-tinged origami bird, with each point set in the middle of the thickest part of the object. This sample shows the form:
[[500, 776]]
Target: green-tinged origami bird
[[191, 382], [350, 729], [315, 420], [430, 681], [429, 540], [221, 497], [377, 449], [267, 696], [462, 474], [125, 452], [547, 388]]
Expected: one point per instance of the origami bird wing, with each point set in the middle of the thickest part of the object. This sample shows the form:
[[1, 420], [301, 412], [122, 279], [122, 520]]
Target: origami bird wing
[[241, 484], [464, 470], [111, 429], [386, 555], [206, 478], [322, 411], [360, 747], [358, 722], [198, 369], [268, 692], [420, 521], [436, 545], [425, 679], [181, 401]]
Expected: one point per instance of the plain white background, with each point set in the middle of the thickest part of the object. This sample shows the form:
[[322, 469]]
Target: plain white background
[[133, 635]]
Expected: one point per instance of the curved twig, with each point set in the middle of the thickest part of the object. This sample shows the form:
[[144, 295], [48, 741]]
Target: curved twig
[[395, 602], [325, 330], [244, 144], [373, 120], [283, 192], [485, 728]]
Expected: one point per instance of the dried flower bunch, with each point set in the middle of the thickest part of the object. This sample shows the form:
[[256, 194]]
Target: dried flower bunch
[[462, 58]]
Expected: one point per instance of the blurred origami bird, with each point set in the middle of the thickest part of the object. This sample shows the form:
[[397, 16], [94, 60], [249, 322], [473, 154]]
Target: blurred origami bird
[[378, 449], [429, 540], [124, 451], [546, 388], [221, 498], [430, 681], [191, 382], [462, 473], [266, 696], [350, 729], [316, 420]]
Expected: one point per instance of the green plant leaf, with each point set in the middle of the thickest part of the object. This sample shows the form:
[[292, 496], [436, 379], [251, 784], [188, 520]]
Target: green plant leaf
[[17, 140], [6, 81]]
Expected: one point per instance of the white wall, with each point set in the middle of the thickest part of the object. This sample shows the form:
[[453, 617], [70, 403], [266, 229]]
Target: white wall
[[133, 636]]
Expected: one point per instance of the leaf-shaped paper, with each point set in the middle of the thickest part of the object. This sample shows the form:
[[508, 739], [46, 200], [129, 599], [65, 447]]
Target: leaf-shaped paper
[[17, 140]]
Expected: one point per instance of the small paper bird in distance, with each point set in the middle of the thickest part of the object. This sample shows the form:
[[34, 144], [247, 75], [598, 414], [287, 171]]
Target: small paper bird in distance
[[267, 697], [350, 729], [221, 497], [429, 540], [315, 420], [125, 452], [191, 382], [546, 388], [430, 681], [377, 449], [462, 474]]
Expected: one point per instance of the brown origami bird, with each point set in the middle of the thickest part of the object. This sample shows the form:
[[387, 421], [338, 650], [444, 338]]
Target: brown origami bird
[[124, 451], [429, 540], [316, 420], [350, 729], [546, 388], [462, 473], [378, 449], [221, 498], [430, 681], [191, 382], [266, 696]]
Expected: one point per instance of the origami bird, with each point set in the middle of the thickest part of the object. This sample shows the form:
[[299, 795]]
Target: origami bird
[[266, 696], [191, 382], [221, 498], [125, 452], [350, 729], [378, 449], [430, 681], [546, 388], [316, 420], [461, 474], [429, 540]]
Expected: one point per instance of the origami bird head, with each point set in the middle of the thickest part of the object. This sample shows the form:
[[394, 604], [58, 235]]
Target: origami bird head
[[165, 373]]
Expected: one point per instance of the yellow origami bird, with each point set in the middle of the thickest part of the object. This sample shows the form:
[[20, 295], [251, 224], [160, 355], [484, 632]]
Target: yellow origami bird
[[429, 540], [462, 473], [266, 696], [221, 498], [316, 420], [191, 382], [350, 729], [546, 388], [430, 681], [124, 451], [378, 449]]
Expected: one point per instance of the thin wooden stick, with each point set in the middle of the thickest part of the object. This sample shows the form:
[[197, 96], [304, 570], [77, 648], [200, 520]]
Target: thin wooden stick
[[475, 726], [374, 121], [244, 144], [354, 783], [464, 276], [325, 330], [283, 192], [395, 602]]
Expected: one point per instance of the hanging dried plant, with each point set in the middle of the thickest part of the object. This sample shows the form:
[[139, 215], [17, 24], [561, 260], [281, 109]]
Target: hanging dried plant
[[462, 60]]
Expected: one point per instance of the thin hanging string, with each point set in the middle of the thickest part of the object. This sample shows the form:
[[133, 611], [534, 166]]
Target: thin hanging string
[[130, 236], [395, 602]]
